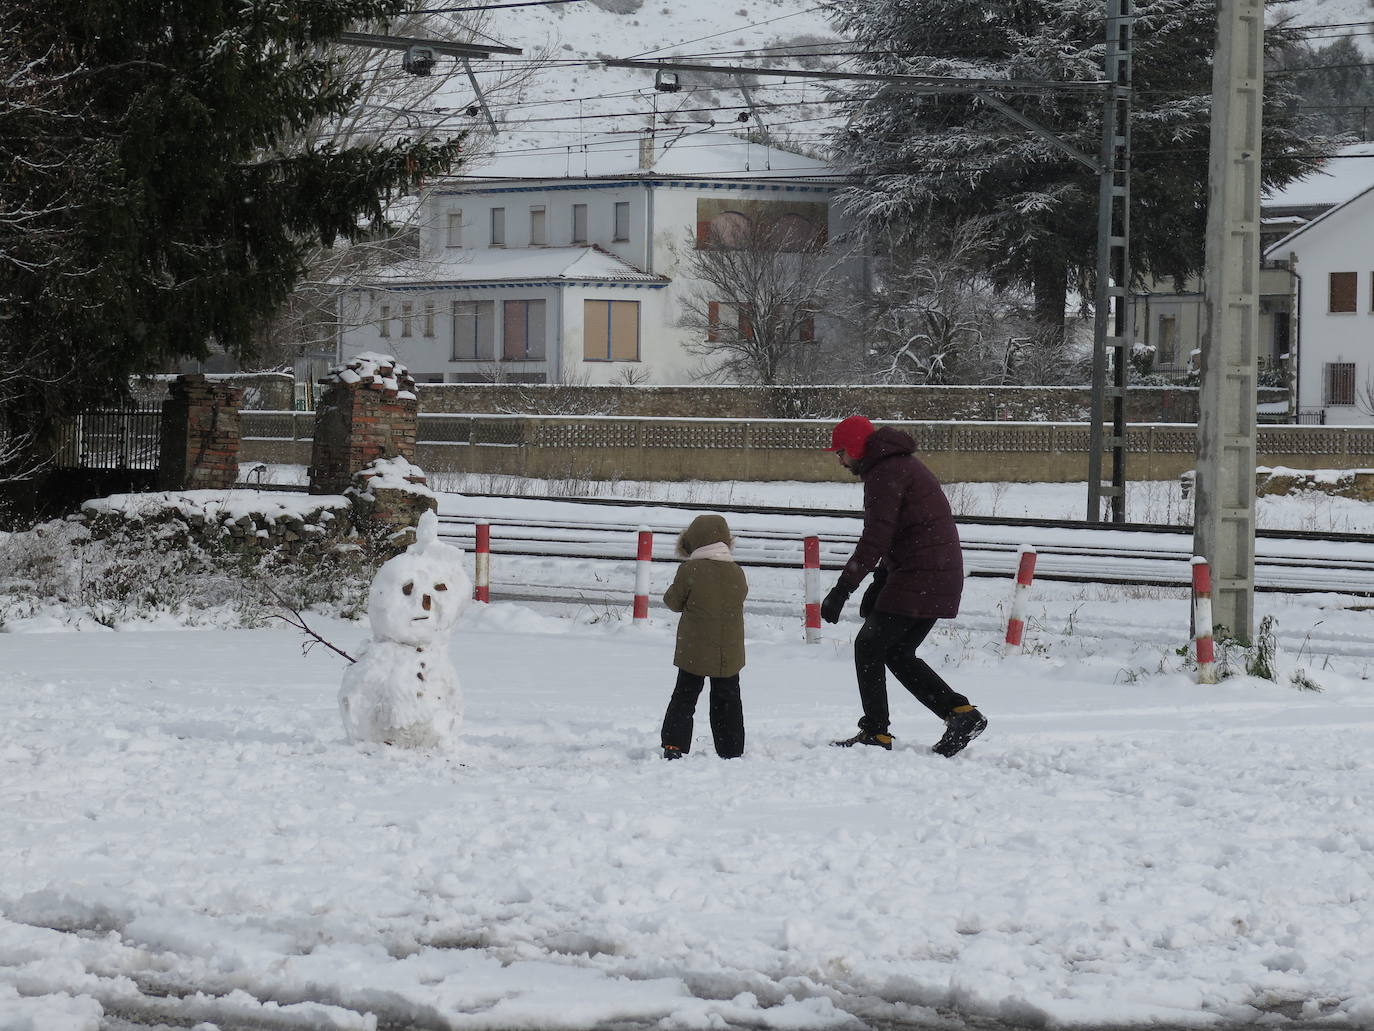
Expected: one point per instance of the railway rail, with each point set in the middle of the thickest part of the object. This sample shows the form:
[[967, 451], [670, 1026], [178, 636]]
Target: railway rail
[[605, 530]]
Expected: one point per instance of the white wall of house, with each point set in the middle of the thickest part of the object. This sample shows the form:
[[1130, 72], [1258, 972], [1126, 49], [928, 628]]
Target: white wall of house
[[1334, 261]]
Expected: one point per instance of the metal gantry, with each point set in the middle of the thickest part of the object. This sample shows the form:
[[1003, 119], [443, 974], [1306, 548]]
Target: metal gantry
[[1112, 331]]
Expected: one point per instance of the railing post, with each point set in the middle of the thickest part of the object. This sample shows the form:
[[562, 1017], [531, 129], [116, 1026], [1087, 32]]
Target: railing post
[[1016, 624], [643, 558], [811, 576], [481, 590], [1202, 622]]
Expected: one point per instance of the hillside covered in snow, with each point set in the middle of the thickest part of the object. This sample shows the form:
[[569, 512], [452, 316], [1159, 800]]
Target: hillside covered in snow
[[575, 103]]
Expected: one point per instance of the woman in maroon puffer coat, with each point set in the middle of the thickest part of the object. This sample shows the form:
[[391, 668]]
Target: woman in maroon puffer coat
[[911, 546]]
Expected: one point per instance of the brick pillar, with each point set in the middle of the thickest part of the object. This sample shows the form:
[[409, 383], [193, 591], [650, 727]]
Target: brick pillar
[[200, 435], [368, 411]]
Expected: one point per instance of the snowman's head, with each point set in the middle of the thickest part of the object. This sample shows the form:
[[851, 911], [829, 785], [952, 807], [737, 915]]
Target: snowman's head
[[418, 596]]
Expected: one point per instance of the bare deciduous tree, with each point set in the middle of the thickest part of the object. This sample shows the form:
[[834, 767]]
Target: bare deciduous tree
[[760, 287], [933, 316]]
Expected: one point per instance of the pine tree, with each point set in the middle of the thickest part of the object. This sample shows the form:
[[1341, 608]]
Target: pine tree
[[1334, 85], [938, 162], [148, 203]]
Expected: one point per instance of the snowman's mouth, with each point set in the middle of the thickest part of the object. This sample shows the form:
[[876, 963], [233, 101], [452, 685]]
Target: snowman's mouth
[[415, 618]]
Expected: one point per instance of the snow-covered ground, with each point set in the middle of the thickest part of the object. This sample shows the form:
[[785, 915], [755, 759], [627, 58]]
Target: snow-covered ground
[[1147, 501], [188, 837]]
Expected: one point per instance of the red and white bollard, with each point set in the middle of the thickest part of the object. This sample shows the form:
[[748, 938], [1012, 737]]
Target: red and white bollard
[[1202, 622], [811, 574], [1016, 624], [481, 580], [643, 558]]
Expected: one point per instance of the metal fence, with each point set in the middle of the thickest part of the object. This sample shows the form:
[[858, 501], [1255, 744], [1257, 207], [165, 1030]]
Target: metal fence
[[111, 438]]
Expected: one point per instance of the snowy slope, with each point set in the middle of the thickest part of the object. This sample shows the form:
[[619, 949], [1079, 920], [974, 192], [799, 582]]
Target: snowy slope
[[574, 101], [577, 99]]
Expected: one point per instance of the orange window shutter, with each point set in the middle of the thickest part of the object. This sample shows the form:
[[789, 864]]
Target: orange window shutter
[[625, 331], [713, 321], [595, 330]]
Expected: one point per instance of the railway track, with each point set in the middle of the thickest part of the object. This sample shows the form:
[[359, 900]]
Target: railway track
[[604, 530]]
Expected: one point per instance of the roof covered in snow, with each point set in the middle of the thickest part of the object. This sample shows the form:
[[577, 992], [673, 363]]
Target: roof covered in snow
[[517, 264], [1349, 172], [676, 153]]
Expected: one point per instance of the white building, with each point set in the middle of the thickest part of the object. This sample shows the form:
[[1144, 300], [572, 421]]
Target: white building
[[1332, 264], [1172, 322], [566, 268]]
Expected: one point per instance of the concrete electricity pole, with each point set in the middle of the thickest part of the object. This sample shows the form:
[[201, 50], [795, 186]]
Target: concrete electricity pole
[[1224, 519]]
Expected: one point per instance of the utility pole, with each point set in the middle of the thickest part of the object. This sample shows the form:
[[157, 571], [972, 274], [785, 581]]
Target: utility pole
[[1111, 315], [1224, 519]]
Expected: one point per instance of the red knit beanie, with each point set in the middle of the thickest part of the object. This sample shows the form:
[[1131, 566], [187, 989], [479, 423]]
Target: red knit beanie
[[851, 436]]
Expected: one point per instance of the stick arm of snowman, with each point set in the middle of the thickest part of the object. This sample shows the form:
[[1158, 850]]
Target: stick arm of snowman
[[298, 621]]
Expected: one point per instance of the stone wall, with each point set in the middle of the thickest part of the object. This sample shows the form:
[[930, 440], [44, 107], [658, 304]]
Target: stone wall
[[883, 403]]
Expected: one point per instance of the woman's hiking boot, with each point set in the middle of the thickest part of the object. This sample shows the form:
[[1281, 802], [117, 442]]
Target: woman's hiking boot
[[866, 737], [960, 729]]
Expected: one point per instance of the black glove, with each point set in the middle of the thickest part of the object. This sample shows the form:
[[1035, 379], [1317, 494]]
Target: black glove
[[870, 597], [834, 603]]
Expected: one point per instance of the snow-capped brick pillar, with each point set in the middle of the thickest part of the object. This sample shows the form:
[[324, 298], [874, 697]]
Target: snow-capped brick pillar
[[368, 411], [200, 435]]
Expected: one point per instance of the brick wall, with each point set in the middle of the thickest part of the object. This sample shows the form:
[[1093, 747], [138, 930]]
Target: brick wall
[[200, 435], [368, 411]]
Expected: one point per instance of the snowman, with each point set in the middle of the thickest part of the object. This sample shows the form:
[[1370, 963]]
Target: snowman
[[403, 690]]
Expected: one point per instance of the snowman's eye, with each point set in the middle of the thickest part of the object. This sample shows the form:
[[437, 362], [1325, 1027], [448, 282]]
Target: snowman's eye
[[409, 588], [441, 587]]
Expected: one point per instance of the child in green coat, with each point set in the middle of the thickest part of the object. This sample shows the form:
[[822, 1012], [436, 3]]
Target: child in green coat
[[709, 591]]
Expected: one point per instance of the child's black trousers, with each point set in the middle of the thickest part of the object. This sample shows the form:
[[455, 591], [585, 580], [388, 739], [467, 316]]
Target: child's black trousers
[[727, 714]]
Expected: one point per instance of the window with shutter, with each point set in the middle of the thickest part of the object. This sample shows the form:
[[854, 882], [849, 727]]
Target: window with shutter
[[610, 331], [1340, 383], [474, 330], [1342, 292], [522, 331]]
